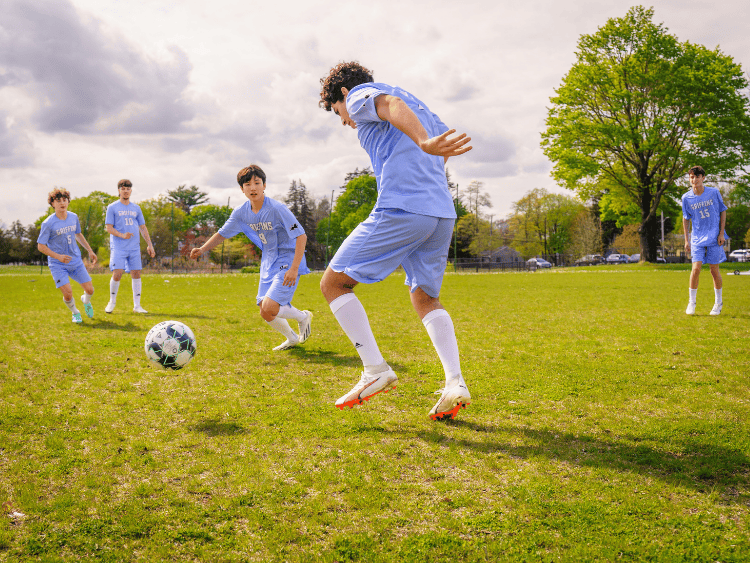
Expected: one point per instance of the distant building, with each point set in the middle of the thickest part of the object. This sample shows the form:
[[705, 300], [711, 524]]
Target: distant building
[[504, 254]]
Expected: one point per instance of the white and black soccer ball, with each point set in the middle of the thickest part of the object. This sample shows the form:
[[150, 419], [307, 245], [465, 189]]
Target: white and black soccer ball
[[170, 345]]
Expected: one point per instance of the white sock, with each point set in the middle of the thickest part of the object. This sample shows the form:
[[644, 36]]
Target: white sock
[[352, 317], [114, 287], [86, 298], [291, 312], [71, 305], [693, 295], [718, 295], [282, 326], [440, 328], [137, 292]]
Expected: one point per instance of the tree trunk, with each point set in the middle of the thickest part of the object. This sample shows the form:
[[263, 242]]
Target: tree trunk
[[649, 231]]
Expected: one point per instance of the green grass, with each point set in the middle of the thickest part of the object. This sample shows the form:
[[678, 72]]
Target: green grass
[[606, 425]]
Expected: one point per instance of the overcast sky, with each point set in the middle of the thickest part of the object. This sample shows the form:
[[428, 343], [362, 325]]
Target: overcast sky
[[168, 93]]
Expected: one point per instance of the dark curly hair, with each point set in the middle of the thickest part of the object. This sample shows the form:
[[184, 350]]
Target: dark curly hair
[[246, 174], [697, 171], [347, 75], [57, 193]]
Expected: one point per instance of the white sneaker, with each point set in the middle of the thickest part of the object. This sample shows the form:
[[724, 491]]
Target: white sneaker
[[138, 309], [110, 307], [305, 327], [368, 387], [451, 400], [717, 309], [287, 344], [690, 309]]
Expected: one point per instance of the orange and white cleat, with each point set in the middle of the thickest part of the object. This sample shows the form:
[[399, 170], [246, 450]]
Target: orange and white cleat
[[367, 388], [451, 401]]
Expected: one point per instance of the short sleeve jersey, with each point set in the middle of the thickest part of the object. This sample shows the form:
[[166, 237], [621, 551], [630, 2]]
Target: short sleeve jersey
[[125, 219], [59, 235], [704, 211], [407, 177], [274, 229]]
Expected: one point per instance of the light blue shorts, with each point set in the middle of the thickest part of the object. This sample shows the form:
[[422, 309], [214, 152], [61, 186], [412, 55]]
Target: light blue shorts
[[708, 254], [62, 273], [276, 290], [127, 260], [390, 238]]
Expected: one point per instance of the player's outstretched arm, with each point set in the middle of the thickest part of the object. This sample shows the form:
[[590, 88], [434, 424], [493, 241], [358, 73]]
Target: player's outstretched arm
[[208, 246], [395, 111], [85, 244]]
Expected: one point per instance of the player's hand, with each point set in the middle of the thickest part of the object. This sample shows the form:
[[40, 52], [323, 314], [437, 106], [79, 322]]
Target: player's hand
[[151, 251], [720, 240], [93, 258], [687, 248], [290, 278], [196, 253], [444, 145], [126, 236], [64, 258]]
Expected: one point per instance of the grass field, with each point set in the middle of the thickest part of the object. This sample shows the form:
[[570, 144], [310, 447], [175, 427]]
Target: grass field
[[606, 425]]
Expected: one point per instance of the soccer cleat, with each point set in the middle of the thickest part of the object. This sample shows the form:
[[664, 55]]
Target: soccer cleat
[[690, 309], [89, 308], [716, 309], [305, 327], [451, 401], [287, 344], [368, 387], [139, 309], [77, 318], [110, 307]]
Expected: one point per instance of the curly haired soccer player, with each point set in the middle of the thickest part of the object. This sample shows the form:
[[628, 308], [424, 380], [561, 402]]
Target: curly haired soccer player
[[704, 216], [410, 226], [124, 222], [57, 239], [281, 238]]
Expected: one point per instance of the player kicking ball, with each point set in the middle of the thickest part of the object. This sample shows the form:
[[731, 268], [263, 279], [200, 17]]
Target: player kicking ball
[[124, 223], [274, 229], [704, 216], [410, 226], [59, 237]]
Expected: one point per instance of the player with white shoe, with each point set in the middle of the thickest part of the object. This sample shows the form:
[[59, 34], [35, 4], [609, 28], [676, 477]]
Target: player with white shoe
[[273, 228], [124, 223], [703, 207], [57, 239], [410, 226]]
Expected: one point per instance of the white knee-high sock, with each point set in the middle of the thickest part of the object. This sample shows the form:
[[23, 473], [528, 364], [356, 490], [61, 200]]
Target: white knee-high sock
[[439, 326], [693, 295], [290, 312], [114, 287], [282, 326], [71, 305], [137, 292], [86, 298], [717, 293], [352, 317]]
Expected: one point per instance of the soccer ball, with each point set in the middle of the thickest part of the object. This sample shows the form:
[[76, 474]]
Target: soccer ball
[[170, 345]]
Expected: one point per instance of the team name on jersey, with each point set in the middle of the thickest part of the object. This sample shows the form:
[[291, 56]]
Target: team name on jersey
[[63, 230], [126, 213], [264, 226], [700, 204]]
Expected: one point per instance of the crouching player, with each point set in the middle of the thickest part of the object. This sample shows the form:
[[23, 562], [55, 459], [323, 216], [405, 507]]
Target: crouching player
[[57, 239], [281, 238]]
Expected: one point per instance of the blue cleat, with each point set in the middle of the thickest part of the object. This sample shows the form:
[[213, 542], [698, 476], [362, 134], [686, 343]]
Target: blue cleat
[[89, 308], [77, 318]]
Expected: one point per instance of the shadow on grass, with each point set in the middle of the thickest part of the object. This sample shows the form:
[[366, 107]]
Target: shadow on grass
[[214, 427], [695, 464], [109, 325], [323, 356]]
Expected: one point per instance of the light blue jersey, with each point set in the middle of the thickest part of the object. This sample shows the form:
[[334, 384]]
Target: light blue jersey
[[704, 211], [125, 219], [408, 178], [274, 229], [59, 235]]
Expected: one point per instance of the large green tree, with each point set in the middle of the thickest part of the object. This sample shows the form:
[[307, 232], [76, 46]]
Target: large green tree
[[187, 198], [638, 108]]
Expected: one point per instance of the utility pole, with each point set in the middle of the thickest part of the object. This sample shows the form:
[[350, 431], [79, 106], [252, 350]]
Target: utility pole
[[663, 253]]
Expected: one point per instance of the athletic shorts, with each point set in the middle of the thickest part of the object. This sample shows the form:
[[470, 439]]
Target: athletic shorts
[[62, 273], [390, 238], [276, 290], [127, 260], [708, 254]]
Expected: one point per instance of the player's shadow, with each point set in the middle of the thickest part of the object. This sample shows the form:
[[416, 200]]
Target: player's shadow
[[322, 356], [109, 325], [692, 463], [214, 427]]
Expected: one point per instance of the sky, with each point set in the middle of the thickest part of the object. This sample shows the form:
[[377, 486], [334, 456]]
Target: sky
[[167, 93]]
